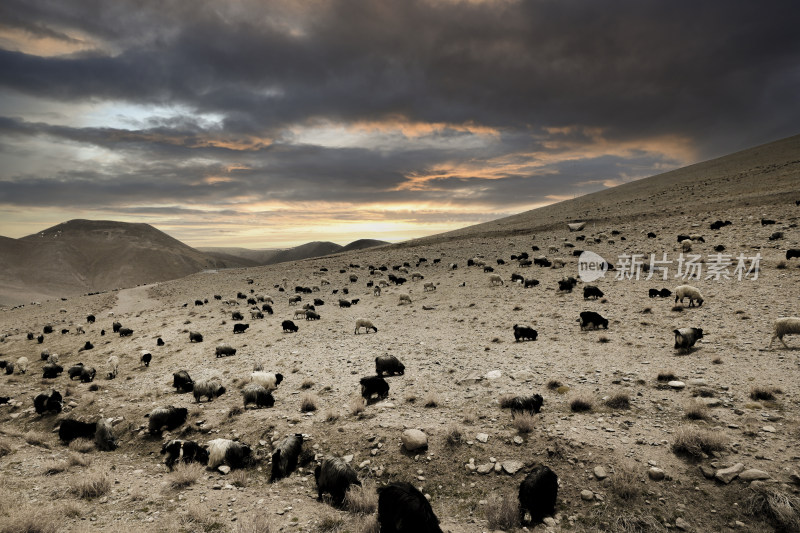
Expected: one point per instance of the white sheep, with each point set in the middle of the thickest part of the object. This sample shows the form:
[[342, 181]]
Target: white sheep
[[416, 276], [22, 365], [785, 326], [52, 358], [429, 285], [404, 299], [113, 366], [559, 262], [268, 380], [383, 283], [366, 324], [494, 279], [324, 281], [687, 291], [686, 245], [299, 313]]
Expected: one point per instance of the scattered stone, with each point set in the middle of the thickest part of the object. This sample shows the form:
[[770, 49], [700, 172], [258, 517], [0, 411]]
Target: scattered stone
[[726, 475], [493, 374], [225, 469], [769, 429], [587, 495], [682, 524], [656, 474], [498, 468], [414, 439], [482, 437], [677, 384], [707, 471], [549, 521], [712, 402], [485, 468], [348, 459], [753, 474], [600, 472], [794, 478], [518, 440], [512, 467]]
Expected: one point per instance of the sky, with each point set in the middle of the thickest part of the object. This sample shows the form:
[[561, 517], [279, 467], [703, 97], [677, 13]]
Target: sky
[[269, 124]]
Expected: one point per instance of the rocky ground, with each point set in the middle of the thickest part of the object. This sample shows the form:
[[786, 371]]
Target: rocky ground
[[621, 464]]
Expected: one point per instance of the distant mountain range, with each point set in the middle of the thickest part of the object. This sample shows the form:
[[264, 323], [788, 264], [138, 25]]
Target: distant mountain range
[[82, 256]]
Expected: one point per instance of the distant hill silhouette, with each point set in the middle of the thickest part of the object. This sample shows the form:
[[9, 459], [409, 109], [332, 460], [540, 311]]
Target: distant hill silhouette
[[92, 255], [304, 251]]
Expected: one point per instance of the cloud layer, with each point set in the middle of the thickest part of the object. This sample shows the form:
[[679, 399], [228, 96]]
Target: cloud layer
[[423, 115]]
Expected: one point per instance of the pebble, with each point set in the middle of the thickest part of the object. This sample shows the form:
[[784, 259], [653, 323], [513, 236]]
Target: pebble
[[753, 474], [549, 521], [485, 468], [512, 467], [769, 429], [225, 469], [600, 472], [682, 524], [656, 474], [413, 439], [518, 440], [482, 437], [726, 475], [677, 384], [587, 495]]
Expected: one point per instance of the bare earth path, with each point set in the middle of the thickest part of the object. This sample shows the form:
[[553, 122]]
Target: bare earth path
[[134, 300]]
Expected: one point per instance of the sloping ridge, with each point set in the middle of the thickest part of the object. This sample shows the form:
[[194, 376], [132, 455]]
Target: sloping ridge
[[759, 176], [305, 251], [363, 244]]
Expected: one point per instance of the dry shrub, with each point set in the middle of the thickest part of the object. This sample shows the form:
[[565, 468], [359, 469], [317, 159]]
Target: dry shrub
[[370, 525], [73, 509], [454, 436], [619, 401], [636, 523], [502, 512], [76, 459], [356, 406], [625, 483], [239, 478], [781, 265], [198, 518], [81, 445], [410, 397], [581, 404], [524, 422], [307, 384], [432, 400], [53, 467], [704, 392], [717, 360], [331, 416], [696, 442], [677, 308], [697, 411], [36, 438], [330, 523], [361, 499], [469, 417], [27, 518], [775, 505], [94, 387], [647, 310], [602, 339], [185, 474], [308, 403], [761, 393], [5, 447], [235, 411], [666, 375], [256, 521], [90, 485], [553, 384]]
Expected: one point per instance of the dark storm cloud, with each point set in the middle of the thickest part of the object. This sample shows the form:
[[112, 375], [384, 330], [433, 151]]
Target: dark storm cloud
[[633, 67], [534, 80]]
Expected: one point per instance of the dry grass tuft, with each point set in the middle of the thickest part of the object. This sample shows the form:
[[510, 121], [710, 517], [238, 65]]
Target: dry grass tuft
[[636, 523], [257, 521], [308, 403], [781, 265], [553, 384], [619, 401], [6, 447], [235, 411], [602, 339], [330, 416], [82, 445], [697, 442], [198, 518], [53, 467], [307, 384], [90, 485], [717, 360], [581, 404], [775, 505], [563, 389], [356, 406], [697, 411], [239, 478], [647, 310], [502, 512], [524, 422], [185, 475], [76, 459], [625, 483], [27, 518], [361, 500], [330, 523], [677, 308], [36, 438], [432, 400], [410, 397], [761, 393], [454, 436]]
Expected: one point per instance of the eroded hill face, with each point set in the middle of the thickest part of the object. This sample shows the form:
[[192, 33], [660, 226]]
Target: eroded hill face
[[461, 358]]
